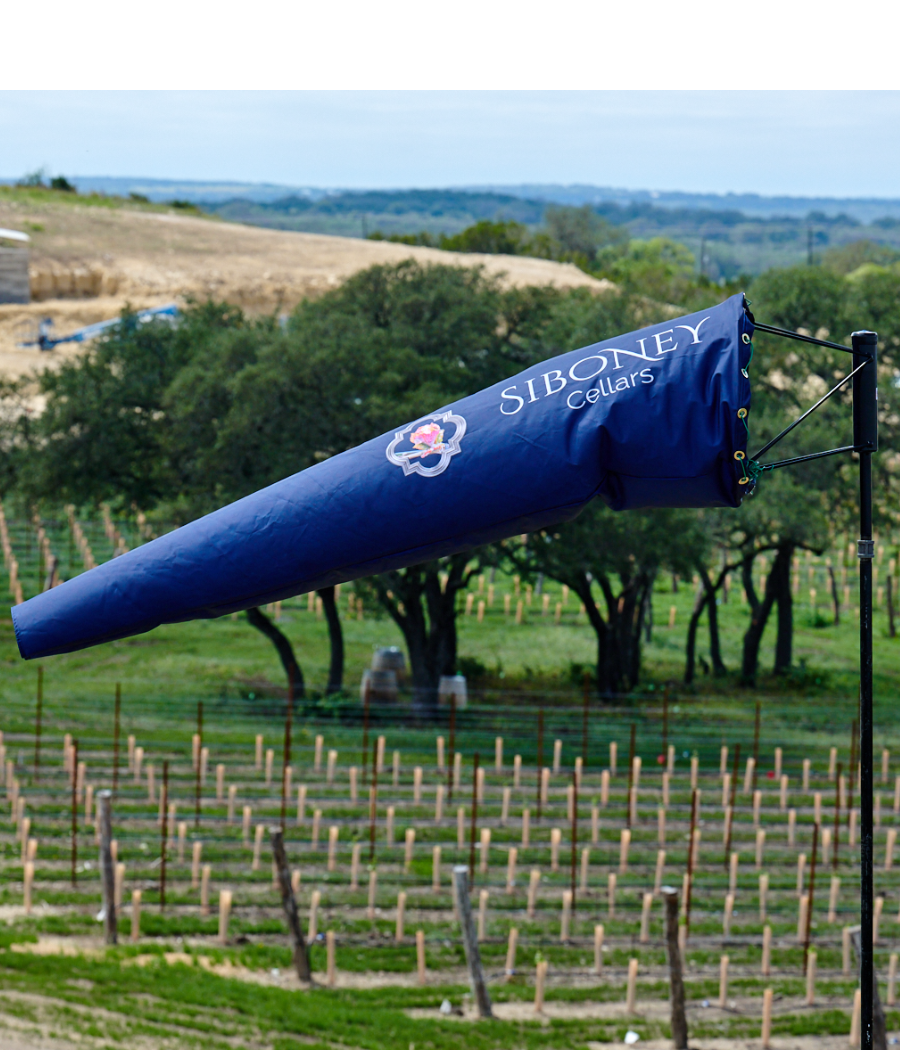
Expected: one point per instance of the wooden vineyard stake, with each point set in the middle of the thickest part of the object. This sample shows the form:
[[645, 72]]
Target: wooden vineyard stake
[[224, 913], [812, 888], [198, 767], [767, 1019], [452, 752], [574, 835], [37, 724], [540, 757], [74, 810], [665, 729], [474, 819], [364, 764], [851, 772], [107, 871], [420, 956], [690, 870], [286, 754], [117, 711], [756, 745], [299, 948], [730, 814], [373, 801], [837, 818], [163, 820], [135, 914], [470, 943]]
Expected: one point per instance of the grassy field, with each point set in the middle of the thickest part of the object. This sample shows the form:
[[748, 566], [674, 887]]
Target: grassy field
[[179, 986]]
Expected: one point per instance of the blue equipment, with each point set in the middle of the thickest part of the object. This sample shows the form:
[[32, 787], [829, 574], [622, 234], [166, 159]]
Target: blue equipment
[[46, 341]]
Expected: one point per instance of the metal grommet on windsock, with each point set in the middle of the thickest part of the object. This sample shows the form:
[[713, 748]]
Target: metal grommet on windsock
[[740, 455], [745, 338], [742, 413]]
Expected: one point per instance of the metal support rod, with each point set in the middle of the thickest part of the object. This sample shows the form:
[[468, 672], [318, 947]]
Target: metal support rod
[[794, 460], [865, 436], [787, 334], [809, 411]]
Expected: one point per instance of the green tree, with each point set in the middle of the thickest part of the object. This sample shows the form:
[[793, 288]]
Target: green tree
[[661, 269], [580, 233], [492, 238], [619, 554]]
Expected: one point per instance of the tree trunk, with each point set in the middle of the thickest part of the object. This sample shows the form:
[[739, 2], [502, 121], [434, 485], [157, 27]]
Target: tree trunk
[[759, 616], [283, 647], [425, 611], [837, 602], [619, 635], [700, 602], [336, 640], [785, 633], [715, 648]]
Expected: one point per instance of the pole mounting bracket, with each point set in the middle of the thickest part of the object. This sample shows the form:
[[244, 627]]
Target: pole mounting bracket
[[865, 549]]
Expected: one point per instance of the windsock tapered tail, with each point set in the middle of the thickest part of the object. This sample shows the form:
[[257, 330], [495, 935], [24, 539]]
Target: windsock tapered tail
[[657, 417]]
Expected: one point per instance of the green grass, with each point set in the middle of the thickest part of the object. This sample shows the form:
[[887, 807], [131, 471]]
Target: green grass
[[235, 672]]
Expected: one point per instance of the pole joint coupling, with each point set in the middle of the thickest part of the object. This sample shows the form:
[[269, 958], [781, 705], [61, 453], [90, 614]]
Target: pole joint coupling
[[865, 549]]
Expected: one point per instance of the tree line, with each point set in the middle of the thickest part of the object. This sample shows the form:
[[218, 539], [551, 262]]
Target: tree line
[[179, 420]]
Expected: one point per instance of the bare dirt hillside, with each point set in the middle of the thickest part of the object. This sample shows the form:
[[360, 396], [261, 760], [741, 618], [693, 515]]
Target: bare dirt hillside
[[87, 262]]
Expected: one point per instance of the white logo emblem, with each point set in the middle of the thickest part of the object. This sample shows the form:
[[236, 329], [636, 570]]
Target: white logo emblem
[[427, 437]]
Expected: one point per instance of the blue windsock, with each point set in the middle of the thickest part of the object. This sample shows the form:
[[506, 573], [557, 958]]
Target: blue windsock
[[654, 418]]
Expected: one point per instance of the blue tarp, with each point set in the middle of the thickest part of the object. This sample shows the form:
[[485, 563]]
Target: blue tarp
[[648, 419]]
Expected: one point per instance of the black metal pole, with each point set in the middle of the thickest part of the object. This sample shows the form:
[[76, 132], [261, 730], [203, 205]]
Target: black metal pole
[[865, 438]]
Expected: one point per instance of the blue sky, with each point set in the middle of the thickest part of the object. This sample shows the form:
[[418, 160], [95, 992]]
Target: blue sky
[[834, 143]]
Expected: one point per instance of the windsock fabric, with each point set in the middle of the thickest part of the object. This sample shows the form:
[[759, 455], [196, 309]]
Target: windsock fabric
[[654, 418]]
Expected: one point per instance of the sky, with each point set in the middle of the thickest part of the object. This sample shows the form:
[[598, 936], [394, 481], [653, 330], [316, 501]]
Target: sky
[[824, 143]]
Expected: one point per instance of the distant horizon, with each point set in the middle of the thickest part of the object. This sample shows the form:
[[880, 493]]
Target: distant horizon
[[214, 193], [817, 144], [489, 187]]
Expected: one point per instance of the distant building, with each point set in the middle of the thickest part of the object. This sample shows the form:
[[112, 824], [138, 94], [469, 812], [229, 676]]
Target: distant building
[[14, 282]]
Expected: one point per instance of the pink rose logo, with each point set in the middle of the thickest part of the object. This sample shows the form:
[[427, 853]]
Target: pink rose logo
[[428, 439]]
